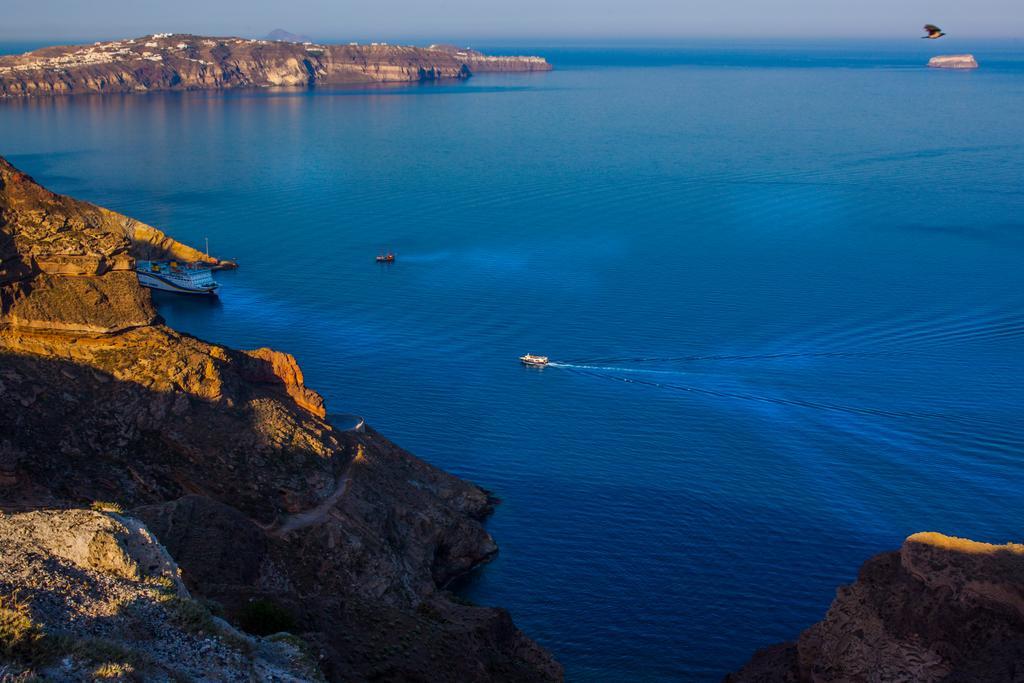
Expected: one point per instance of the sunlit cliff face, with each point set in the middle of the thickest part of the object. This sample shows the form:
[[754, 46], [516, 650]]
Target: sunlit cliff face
[[187, 62]]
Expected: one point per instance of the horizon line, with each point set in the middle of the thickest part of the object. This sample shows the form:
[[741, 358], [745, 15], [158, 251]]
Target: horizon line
[[619, 39]]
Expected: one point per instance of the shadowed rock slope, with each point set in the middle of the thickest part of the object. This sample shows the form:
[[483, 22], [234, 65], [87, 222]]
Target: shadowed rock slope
[[939, 609], [342, 538], [188, 62]]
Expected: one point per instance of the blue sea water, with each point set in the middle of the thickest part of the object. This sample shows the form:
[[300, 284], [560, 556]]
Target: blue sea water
[[782, 285]]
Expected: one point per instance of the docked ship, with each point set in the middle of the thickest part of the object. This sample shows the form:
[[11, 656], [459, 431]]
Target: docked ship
[[171, 276], [536, 361]]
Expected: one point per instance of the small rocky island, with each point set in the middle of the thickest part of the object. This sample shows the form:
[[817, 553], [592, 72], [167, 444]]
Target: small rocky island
[[187, 62], [173, 509], [938, 609], [953, 62]]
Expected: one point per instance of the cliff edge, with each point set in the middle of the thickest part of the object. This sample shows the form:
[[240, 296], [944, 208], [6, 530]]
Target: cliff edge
[[187, 62], [86, 596], [939, 609], [340, 538]]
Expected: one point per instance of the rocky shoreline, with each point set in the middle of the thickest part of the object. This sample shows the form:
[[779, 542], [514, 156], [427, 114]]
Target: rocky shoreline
[[938, 609], [189, 62], [226, 459]]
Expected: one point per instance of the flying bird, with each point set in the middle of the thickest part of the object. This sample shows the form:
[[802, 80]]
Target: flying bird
[[933, 31]]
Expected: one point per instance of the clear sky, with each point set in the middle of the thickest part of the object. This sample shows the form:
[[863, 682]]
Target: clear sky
[[34, 20]]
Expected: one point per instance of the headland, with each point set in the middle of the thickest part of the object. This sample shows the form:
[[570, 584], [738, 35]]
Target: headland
[[187, 62], [939, 609], [124, 439]]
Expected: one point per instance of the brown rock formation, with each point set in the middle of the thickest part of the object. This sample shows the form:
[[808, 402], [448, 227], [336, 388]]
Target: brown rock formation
[[65, 265], [228, 458], [87, 596], [188, 62], [274, 367], [939, 609]]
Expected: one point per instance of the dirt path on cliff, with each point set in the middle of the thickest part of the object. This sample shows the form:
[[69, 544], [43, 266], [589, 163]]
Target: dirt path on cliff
[[315, 515]]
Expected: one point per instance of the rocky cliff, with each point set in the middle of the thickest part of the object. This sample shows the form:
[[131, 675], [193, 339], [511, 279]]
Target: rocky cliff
[[187, 62], [282, 521], [65, 265], [939, 609], [87, 595]]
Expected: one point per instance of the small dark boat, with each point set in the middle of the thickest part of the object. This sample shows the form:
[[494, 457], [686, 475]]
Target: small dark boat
[[386, 258]]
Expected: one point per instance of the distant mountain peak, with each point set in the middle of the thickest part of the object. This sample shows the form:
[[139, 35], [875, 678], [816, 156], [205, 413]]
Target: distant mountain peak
[[287, 36]]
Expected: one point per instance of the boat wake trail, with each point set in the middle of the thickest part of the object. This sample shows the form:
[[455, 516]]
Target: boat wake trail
[[885, 340], [924, 336], [592, 363], [613, 368], [801, 403], [931, 332]]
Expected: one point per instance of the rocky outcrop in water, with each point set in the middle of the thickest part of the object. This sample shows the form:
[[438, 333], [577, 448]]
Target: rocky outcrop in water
[[939, 609], [341, 538], [953, 62], [188, 62]]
